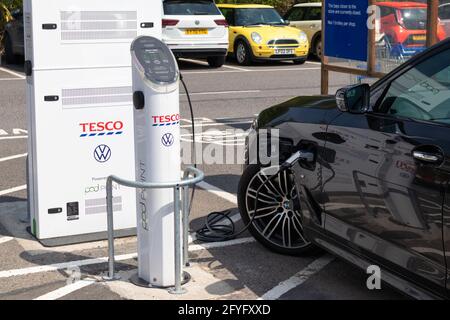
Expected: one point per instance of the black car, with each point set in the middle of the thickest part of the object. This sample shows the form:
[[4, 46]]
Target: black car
[[13, 39], [375, 186]]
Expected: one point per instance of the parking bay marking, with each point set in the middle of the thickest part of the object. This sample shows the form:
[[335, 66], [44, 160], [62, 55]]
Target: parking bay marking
[[13, 190], [64, 291], [17, 156], [12, 73], [87, 262], [5, 239], [297, 279], [254, 70]]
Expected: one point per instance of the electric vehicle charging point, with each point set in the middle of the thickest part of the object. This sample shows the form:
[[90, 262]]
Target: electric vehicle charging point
[[161, 229]]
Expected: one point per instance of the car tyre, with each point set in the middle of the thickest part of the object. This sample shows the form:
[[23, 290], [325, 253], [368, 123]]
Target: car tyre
[[279, 226], [317, 47], [299, 62], [243, 53], [216, 62]]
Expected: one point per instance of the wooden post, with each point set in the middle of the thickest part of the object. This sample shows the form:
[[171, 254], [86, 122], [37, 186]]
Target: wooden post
[[371, 54], [324, 60], [432, 22]]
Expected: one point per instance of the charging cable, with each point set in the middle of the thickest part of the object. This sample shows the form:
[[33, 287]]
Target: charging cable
[[215, 232], [214, 229]]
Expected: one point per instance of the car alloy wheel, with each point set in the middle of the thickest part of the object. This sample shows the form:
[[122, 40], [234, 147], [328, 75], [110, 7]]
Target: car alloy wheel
[[241, 53], [278, 222]]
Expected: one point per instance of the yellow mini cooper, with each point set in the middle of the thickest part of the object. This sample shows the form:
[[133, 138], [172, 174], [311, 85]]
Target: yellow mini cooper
[[258, 32]]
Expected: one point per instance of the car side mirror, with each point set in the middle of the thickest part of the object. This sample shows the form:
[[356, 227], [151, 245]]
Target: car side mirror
[[354, 99], [287, 22]]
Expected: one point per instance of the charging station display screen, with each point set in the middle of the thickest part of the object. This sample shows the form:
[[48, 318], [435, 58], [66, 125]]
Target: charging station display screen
[[153, 55], [156, 60]]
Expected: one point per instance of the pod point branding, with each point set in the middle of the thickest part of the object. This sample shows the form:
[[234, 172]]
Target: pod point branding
[[167, 140], [100, 129], [102, 153]]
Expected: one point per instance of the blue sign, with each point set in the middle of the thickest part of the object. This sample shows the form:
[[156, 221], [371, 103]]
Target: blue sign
[[346, 29]]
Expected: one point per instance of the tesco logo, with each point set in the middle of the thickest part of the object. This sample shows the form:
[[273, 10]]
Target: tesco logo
[[167, 120], [96, 129]]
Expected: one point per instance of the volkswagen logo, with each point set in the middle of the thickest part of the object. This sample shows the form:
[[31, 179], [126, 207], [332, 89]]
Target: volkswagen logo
[[102, 153], [197, 22], [167, 140]]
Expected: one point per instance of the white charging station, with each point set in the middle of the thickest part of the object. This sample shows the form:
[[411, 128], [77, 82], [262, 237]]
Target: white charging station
[[157, 145], [80, 113]]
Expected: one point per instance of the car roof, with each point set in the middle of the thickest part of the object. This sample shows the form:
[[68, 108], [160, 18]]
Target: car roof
[[402, 4], [309, 4], [243, 6]]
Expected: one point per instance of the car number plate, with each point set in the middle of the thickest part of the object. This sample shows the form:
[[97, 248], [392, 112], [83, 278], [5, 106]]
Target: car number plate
[[419, 38], [191, 32], [284, 51]]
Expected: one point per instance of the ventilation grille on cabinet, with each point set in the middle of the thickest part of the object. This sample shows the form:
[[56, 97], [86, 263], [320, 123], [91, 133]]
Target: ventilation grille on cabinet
[[98, 25], [96, 97]]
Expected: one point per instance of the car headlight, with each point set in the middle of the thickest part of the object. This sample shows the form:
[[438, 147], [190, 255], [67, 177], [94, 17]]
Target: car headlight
[[256, 37], [303, 37]]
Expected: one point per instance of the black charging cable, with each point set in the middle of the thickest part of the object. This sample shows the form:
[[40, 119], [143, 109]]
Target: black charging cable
[[194, 146], [214, 229], [215, 232]]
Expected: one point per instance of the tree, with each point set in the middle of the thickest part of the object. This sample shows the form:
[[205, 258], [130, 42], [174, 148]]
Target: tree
[[6, 7]]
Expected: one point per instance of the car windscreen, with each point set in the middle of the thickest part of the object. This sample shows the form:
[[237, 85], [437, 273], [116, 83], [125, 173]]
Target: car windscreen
[[256, 16], [190, 8], [414, 18]]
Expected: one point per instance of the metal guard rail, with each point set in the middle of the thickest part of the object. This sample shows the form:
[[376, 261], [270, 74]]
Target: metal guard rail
[[191, 177]]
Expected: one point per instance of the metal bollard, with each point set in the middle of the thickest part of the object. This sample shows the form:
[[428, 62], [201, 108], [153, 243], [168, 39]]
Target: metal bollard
[[178, 246], [185, 213], [181, 251]]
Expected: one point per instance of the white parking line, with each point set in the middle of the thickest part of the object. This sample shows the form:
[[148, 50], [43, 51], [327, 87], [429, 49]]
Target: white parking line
[[12, 190], [213, 245], [13, 157], [222, 92], [298, 278], [218, 192], [5, 239], [64, 291], [87, 262], [13, 137], [236, 68], [12, 73], [253, 70]]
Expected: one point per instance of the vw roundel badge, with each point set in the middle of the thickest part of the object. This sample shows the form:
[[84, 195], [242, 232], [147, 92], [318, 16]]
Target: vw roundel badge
[[167, 140], [102, 153]]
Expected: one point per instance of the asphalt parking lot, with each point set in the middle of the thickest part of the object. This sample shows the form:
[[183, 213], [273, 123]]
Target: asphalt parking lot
[[225, 98]]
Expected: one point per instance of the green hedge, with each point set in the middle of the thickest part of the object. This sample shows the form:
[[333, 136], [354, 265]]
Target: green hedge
[[6, 6], [282, 5]]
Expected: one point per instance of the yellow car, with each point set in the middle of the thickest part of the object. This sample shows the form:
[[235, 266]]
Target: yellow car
[[258, 32]]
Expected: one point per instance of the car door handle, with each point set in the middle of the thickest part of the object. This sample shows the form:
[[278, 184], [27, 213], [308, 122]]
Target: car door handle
[[427, 157]]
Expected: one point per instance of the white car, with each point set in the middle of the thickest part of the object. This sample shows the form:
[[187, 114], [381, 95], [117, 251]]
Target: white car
[[195, 29], [308, 18]]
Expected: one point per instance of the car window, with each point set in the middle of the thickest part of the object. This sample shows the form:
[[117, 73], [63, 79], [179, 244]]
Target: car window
[[190, 7], [255, 16], [422, 93], [385, 11], [444, 12], [296, 14], [313, 14], [228, 13]]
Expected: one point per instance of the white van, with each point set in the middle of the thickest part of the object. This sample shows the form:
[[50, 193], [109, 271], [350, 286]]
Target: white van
[[195, 29]]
